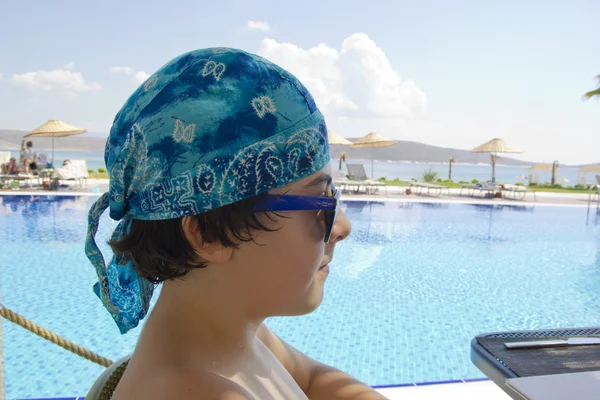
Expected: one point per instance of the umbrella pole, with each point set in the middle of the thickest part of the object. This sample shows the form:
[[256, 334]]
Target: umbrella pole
[[493, 169], [372, 176], [52, 151]]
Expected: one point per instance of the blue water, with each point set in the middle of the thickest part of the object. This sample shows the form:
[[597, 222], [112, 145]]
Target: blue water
[[407, 291], [392, 170]]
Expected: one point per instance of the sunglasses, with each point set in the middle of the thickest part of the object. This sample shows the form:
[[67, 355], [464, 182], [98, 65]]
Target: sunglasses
[[290, 202]]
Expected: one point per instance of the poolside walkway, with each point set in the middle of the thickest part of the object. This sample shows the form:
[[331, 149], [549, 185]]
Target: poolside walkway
[[449, 391], [394, 193], [455, 196]]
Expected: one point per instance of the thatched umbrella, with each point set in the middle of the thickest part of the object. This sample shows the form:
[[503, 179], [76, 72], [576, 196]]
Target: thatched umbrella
[[533, 171], [54, 128], [594, 169], [372, 140], [333, 138], [494, 147]]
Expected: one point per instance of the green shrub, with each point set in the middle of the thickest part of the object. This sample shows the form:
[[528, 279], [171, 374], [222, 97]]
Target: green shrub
[[439, 180], [430, 175], [579, 186], [463, 183], [90, 171], [520, 184], [533, 184], [382, 179], [101, 170], [547, 185], [475, 181]]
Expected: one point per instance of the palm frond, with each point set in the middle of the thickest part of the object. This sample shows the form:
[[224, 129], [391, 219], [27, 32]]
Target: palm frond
[[593, 93]]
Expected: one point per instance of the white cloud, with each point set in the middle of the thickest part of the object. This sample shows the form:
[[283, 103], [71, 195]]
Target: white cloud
[[138, 76], [258, 26], [1, 76], [69, 66], [121, 70], [141, 76], [64, 80], [354, 83], [387, 94]]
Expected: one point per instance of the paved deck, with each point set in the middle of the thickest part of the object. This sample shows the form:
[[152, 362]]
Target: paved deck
[[97, 186], [451, 391], [455, 195]]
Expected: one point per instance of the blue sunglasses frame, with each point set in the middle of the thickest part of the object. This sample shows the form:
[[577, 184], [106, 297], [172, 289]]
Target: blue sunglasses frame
[[291, 202]]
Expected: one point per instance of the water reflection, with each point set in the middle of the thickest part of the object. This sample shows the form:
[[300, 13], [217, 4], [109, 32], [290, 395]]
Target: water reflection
[[42, 218], [492, 209], [357, 207]]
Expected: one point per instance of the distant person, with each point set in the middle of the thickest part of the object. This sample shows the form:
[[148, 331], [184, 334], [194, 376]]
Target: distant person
[[68, 170], [29, 158], [11, 167]]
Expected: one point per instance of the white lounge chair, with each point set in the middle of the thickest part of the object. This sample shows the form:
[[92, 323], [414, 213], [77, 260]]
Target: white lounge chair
[[358, 177], [429, 188], [516, 192], [77, 172], [481, 189]]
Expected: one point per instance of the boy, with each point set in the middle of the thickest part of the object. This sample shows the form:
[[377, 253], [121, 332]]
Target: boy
[[219, 173]]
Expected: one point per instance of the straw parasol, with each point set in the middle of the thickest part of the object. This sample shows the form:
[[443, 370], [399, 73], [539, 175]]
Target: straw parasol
[[54, 128], [593, 169], [533, 170], [333, 138], [494, 147], [372, 140]]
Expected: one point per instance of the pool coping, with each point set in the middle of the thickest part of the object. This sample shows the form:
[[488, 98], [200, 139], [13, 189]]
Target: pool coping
[[391, 386], [490, 202]]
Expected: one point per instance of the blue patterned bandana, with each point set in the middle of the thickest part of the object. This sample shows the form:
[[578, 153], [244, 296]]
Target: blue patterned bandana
[[210, 128]]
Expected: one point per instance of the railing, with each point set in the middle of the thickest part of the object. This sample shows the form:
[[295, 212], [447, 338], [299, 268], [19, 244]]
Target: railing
[[591, 196]]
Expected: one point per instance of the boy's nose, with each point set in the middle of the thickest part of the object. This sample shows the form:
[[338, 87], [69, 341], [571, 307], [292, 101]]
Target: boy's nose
[[341, 229]]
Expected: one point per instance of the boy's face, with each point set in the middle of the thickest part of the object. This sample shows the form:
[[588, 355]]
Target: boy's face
[[283, 272]]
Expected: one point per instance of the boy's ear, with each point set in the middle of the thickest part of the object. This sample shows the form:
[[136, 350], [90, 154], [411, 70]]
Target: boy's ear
[[212, 252]]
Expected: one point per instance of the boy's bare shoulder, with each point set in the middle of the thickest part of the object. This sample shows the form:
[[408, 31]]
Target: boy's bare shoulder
[[184, 386]]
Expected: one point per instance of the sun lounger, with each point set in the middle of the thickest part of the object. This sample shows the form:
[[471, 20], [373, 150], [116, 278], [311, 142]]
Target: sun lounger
[[358, 178], [516, 192], [429, 188], [25, 178], [471, 188], [481, 189], [77, 172], [497, 362]]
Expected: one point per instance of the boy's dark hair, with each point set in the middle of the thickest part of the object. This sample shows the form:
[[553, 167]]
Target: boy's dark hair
[[30, 144], [160, 250]]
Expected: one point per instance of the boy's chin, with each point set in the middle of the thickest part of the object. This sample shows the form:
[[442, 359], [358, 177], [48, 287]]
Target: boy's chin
[[309, 304]]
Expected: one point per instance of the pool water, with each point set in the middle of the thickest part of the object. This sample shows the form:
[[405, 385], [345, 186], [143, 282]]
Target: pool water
[[406, 293]]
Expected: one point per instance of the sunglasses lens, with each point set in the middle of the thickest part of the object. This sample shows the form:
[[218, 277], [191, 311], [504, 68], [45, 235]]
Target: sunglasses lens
[[330, 217]]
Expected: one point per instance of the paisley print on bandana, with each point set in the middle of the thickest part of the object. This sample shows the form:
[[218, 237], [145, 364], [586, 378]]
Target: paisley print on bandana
[[210, 128]]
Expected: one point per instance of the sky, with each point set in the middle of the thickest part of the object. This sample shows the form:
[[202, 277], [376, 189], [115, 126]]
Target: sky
[[446, 73]]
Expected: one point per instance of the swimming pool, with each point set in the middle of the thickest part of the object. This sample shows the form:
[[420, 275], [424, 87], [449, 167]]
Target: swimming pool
[[406, 293]]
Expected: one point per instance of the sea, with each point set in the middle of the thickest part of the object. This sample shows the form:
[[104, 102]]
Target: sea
[[402, 170]]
